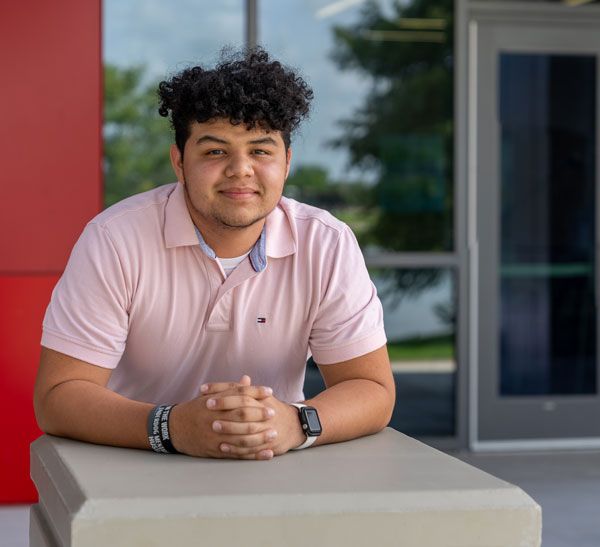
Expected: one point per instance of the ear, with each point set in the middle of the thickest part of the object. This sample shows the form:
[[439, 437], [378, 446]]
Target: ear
[[288, 162], [177, 162]]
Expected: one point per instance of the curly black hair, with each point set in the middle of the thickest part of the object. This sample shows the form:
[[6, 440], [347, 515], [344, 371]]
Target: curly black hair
[[246, 88]]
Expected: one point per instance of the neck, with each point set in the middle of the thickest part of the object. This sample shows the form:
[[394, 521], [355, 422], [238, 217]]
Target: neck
[[230, 242], [225, 241]]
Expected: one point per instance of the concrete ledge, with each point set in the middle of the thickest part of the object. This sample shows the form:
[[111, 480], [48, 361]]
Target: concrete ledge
[[387, 489]]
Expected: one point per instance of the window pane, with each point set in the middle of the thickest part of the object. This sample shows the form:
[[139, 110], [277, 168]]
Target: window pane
[[378, 149], [548, 226], [420, 316], [143, 42], [419, 312]]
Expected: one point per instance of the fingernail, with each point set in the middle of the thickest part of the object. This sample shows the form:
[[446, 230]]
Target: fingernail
[[266, 454], [217, 426], [271, 434], [267, 390], [270, 412], [225, 448], [211, 403], [204, 387]]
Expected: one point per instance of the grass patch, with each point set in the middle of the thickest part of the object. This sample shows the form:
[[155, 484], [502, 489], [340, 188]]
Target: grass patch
[[422, 349]]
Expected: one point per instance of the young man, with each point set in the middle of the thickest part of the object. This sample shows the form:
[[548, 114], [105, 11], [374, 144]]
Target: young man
[[185, 315]]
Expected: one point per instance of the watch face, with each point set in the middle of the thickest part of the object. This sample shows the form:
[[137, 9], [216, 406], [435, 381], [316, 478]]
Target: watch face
[[311, 419]]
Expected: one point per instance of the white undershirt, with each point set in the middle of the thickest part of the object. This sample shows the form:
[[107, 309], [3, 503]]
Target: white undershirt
[[230, 264]]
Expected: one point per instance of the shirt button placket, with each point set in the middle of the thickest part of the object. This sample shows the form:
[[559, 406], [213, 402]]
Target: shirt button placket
[[220, 316]]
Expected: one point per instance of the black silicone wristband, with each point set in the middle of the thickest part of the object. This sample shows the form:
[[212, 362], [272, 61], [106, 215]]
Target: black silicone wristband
[[153, 428], [164, 432]]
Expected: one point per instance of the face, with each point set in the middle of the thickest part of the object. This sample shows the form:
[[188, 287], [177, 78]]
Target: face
[[233, 176]]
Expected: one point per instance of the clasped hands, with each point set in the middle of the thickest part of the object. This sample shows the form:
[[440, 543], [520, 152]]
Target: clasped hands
[[235, 420]]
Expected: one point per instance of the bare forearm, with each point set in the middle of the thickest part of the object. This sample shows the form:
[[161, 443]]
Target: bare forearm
[[82, 410], [352, 409]]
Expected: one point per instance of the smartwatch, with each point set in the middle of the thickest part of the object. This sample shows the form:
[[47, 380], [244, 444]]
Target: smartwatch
[[311, 425]]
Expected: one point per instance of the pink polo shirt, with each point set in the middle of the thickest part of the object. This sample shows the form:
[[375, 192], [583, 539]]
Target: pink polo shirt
[[140, 296]]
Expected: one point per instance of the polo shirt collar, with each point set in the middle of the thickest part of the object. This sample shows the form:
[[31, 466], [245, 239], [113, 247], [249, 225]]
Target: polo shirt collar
[[277, 239], [280, 231], [179, 228], [258, 257]]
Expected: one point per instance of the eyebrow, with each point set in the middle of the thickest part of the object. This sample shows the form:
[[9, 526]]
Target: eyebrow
[[264, 140], [212, 138]]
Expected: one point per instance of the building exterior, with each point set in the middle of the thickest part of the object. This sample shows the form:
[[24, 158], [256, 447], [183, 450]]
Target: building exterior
[[459, 140]]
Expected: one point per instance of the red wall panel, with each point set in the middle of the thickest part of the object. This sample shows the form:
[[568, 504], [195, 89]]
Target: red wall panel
[[50, 133], [50, 153], [23, 301]]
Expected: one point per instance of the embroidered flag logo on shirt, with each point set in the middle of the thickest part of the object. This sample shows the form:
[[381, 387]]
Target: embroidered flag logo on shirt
[[261, 319]]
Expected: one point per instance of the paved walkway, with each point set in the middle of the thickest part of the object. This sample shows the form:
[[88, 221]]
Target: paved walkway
[[14, 525], [565, 484]]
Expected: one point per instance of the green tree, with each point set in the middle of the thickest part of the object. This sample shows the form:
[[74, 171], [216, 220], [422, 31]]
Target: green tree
[[136, 138], [404, 128], [349, 202], [307, 178]]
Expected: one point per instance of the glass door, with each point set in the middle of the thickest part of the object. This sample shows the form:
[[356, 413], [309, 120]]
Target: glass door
[[537, 223]]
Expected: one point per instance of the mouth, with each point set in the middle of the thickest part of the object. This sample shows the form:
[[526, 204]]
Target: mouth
[[239, 194]]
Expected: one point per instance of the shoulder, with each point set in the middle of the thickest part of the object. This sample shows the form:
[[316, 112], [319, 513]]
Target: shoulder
[[307, 218], [320, 237], [125, 236], [146, 208]]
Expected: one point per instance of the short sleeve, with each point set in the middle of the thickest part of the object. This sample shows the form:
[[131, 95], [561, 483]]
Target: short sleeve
[[87, 317], [349, 321]]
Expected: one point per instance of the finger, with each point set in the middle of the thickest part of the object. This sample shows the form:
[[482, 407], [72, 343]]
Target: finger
[[247, 414], [234, 449], [247, 443], [247, 453], [228, 402], [258, 392], [262, 455], [245, 380], [217, 387], [240, 428]]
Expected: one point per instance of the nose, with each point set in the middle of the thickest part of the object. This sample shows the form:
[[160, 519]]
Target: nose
[[238, 166]]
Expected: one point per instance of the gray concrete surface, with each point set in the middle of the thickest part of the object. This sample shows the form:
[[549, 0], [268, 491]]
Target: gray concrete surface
[[387, 489], [566, 484]]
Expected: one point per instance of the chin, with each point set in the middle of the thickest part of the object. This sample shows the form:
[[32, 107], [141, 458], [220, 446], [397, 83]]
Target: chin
[[239, 223], [240, 219]]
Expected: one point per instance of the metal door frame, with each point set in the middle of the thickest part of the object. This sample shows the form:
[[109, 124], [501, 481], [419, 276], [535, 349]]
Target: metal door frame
[[471, 17]]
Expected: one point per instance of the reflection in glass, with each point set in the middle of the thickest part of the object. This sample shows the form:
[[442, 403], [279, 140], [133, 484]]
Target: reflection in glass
[[420, 322], [378, 151], [548, 269], [145, 41]]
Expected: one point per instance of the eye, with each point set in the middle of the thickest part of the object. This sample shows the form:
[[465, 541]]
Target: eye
[[260, 152], [215, 152]]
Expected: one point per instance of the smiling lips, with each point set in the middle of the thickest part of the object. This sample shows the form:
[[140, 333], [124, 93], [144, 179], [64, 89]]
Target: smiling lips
[[239, 193]]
